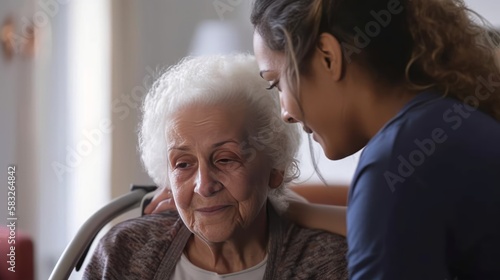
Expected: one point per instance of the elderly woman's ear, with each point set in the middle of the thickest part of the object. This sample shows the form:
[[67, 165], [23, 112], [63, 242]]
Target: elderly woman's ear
[[276, 178]]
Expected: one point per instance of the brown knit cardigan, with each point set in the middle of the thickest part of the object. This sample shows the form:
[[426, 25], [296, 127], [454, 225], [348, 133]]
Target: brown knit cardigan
[[149, 247]]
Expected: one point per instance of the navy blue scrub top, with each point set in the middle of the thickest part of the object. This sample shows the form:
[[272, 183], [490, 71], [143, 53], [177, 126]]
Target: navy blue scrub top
[[425, 199]]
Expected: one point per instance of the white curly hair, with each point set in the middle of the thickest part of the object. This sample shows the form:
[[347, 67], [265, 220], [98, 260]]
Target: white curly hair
[[217, 80]]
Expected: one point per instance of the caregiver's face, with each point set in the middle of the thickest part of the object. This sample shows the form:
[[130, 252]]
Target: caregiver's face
[[320, 105], [219, 187]]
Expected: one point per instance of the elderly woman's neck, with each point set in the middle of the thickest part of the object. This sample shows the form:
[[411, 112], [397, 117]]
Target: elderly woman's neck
[[246, 250]]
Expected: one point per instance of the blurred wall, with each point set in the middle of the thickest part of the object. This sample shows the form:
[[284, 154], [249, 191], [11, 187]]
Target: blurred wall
[[489, 9], [149, 36]]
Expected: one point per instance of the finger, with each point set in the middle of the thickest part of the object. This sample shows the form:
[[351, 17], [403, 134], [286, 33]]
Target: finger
[[164, 194], [152, 204], [149, 208], [165, 205]]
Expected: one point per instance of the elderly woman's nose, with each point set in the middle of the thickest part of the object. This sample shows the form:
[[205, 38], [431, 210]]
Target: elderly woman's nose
[[206, 182]]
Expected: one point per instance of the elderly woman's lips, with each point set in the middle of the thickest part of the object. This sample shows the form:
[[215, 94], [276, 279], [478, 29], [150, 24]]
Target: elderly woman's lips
[[307, 129], [212, 209]]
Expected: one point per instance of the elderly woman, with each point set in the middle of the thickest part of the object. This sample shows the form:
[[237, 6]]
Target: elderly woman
[[214, 135]]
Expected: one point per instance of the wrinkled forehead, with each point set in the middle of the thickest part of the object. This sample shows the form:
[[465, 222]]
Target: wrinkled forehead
[[198, 123]]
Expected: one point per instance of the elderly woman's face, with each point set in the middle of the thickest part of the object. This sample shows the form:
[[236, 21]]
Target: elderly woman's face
[[220, 186]]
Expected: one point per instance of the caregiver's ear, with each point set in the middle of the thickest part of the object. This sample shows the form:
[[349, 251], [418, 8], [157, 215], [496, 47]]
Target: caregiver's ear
[[276, 178], [330, 53]]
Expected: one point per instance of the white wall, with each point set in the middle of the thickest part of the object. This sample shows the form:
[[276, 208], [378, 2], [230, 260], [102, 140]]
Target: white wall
[[20, 127], [489, 9], [149, 36]]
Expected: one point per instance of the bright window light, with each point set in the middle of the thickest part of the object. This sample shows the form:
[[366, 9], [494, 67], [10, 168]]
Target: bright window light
[[89, 115]]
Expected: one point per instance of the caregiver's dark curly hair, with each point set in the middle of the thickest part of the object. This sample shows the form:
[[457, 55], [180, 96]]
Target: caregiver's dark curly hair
[[422, 44]]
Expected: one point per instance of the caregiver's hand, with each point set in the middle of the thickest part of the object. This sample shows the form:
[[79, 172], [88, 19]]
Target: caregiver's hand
[[162, 201], [330, 218]]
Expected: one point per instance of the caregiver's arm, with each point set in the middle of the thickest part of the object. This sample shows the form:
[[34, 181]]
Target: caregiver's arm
[[321, 194], [398, 233], [326, 210]]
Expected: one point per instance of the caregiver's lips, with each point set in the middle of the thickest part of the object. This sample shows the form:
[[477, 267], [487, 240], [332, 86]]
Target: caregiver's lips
[[314, 137], [307, 129]]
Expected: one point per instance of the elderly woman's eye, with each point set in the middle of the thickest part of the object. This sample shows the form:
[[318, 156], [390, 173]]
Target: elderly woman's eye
[[181, 165], [228, 160], [225, 160]]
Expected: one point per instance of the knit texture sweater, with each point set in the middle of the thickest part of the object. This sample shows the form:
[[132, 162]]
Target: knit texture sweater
[[149, 247]]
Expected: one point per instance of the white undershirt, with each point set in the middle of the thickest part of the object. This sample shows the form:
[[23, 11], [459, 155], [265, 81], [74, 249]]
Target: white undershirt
[[185, 270]]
